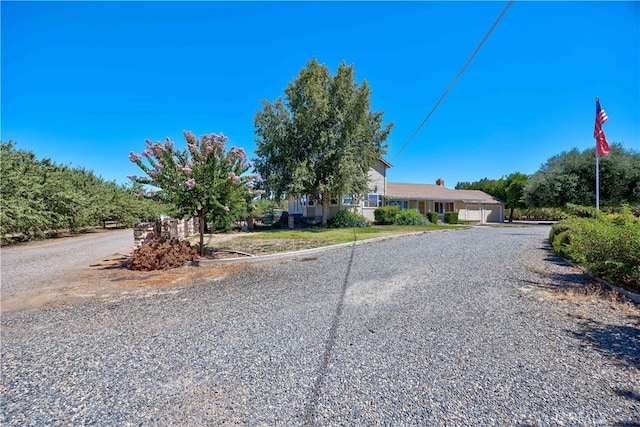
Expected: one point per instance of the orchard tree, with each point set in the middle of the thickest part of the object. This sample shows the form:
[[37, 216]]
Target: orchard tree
[[322, 138], [204, 179]]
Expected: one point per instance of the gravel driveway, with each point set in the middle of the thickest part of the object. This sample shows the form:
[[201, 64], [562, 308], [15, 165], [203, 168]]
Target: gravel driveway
[[32, 266], [444, 328]]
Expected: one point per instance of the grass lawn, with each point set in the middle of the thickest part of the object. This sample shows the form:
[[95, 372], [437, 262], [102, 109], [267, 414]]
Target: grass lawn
[[286, 240]]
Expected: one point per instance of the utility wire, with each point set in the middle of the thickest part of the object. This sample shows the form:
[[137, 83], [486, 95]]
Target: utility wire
[[486, 36]]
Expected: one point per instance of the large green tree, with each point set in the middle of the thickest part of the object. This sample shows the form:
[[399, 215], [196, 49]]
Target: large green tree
[[570, 177], [510, 189], [514, 186], [322, 138]]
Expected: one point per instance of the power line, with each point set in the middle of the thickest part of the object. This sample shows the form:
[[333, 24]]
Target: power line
[[484, 39]]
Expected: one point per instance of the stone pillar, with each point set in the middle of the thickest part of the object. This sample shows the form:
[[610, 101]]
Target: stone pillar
[[143, 232]]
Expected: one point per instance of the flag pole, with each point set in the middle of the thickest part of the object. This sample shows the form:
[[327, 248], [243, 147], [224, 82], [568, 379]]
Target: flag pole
[[597, 177], [597, 183]]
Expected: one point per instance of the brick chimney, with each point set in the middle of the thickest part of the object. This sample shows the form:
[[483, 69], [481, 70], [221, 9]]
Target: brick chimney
[[440, 182]]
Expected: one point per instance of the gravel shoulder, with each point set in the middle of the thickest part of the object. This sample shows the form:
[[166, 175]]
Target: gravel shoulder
[[464, 327]]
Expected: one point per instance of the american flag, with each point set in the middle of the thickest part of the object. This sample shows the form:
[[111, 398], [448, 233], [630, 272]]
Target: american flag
[[601, 117], [601, 140]]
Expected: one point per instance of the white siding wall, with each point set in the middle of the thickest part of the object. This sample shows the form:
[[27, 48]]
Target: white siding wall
[[377, 179]]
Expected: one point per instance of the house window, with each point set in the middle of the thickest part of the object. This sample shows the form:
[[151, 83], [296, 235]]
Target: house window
[[333, 201], [441, 207], [373, 201], [306, 200], [347, 200]]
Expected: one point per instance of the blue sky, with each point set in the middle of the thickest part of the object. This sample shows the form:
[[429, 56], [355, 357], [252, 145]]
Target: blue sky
[[84, 83]]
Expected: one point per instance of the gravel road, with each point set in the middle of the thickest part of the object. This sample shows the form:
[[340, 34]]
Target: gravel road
[[34, 265], [445, 328]]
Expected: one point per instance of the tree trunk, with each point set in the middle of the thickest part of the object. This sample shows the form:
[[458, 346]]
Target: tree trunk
[[324, 209], [511, 215], [201, 226]]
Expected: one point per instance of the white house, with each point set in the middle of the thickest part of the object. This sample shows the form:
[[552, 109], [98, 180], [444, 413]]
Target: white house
[[471, 205]]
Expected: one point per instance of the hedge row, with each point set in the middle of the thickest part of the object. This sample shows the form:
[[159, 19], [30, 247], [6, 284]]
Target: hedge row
[[388, 215], [608, 246]]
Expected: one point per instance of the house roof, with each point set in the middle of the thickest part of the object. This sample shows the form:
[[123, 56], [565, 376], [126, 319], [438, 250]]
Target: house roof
[[384, 162], [402, 191]]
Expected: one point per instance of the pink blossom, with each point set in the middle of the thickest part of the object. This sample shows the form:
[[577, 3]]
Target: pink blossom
[[250, 164], [157, 149], [189, 136], [226, 208], [146, 153], [192, 148], [233, 177], [152, 192], [132, 177], [134, 157], [260, 192], [186, 169], [190, 183], [139, 195], [254, 207], [259, 179]]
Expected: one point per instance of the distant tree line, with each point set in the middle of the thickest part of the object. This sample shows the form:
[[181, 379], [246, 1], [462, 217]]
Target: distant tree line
[[39, 197], [570, 178]]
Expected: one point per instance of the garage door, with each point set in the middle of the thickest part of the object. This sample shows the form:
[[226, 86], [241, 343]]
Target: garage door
[[492, 213], [473, 212]]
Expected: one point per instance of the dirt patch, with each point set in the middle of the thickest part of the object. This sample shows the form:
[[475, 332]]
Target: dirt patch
[[110, 280]]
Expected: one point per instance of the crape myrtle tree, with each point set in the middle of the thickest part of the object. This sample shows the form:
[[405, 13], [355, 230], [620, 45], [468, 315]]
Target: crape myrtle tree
[[204, 179], [322, 138]]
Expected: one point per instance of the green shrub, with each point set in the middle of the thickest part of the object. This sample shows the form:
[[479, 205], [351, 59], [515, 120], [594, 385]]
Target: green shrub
[[451, 217], [162, 254], [410, 217], [580, 211], [540, 214], [346, 219], [608, 247], [432, 217], [386, 215], [566, 225]]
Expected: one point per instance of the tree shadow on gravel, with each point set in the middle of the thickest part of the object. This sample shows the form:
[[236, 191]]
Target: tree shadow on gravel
[[560, 279], [617, 342], [113, 263]]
